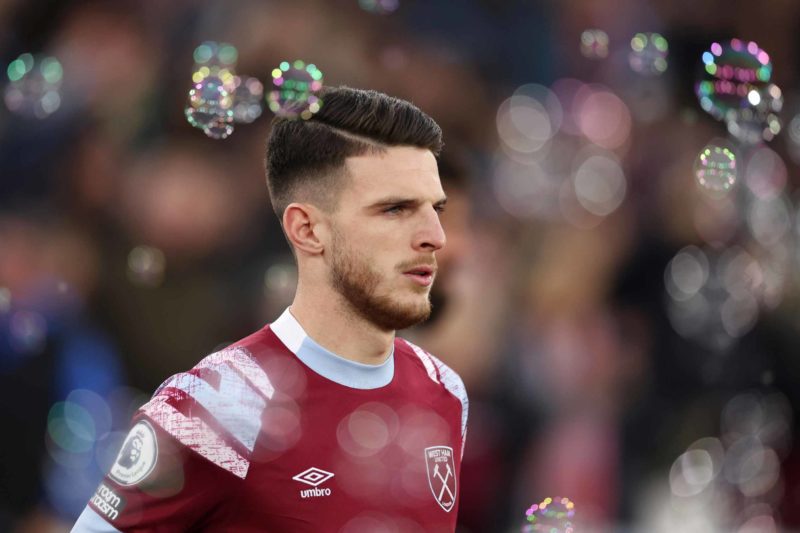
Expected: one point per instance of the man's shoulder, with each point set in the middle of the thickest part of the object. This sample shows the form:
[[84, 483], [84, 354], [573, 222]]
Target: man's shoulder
[[215, 408], [435, 368]]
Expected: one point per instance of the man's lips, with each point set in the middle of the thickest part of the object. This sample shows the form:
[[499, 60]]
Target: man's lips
[[422, 274]]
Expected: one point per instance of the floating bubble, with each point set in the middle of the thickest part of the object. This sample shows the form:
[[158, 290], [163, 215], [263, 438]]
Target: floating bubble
[[758, 121], [715, 167], [146, 266], [731, 71], [280, 278], [247, 97], [210, 105], [379, 7], [648, 55], [553, 515], [367, 430], [5, 300], [215, 54], [295, 90], [769, 220], [34, 86], [600, 184], [594, 44]]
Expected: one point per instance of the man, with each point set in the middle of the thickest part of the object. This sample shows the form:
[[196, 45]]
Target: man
[[322, 420]]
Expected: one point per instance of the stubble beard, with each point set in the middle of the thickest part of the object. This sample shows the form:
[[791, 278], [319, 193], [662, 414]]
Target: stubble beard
[[352, 277]]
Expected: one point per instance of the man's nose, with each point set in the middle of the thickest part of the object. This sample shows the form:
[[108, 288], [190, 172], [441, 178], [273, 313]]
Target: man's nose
[[430, 236]]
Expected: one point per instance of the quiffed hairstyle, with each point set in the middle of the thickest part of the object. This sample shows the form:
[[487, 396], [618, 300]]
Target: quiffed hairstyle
[[310, 154]]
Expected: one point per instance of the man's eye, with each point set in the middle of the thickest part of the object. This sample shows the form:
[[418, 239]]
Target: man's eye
[[439, 208], [394, 210]]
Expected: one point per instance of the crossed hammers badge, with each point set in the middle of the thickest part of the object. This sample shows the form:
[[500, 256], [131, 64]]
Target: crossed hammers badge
[[442, 475]]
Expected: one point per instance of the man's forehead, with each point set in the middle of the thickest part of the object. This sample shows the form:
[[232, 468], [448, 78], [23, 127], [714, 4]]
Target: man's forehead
[[399, 168]]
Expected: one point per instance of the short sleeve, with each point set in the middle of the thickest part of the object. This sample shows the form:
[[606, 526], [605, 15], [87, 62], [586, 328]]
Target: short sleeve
[[155, 484]]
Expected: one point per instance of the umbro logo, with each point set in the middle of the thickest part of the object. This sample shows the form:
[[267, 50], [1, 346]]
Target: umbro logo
[[314, 476]]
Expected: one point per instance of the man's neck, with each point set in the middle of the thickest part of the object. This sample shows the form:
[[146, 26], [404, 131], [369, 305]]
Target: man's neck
[[332, 324]]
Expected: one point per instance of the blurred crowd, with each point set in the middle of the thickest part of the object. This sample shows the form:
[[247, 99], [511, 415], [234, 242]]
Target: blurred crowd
[[131, 245]]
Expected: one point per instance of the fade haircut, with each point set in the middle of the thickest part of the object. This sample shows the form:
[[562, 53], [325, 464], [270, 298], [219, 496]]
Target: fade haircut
[[306, 158]]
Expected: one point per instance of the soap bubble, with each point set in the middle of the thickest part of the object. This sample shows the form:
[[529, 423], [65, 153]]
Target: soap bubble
[[715, 167], [295, 90], [34, 84], [553, 515], [648, 54], [732, 71], [247, 95], [759, 121], [594, 44], [214, 54], [210, 105]]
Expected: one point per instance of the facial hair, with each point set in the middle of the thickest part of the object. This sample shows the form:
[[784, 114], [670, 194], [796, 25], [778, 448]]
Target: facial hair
[[357, 282]]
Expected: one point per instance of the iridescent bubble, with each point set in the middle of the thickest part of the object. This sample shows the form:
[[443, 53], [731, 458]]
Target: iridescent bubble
[[280, 278], [247, 97], [553, 515], [5, 300], [215, 54], [210, 104], [730, 72], [525, 190], [594, 44], [34, 86], [146, 266], [379, 7], [715, 167], [295, 90], [759, 120], [600, 184], [648, 55]]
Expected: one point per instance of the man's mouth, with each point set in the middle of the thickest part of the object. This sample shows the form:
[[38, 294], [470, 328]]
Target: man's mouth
[[422, 274]]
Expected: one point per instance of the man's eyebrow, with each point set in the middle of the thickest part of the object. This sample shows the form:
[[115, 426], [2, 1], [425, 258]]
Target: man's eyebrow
[[401, 200]]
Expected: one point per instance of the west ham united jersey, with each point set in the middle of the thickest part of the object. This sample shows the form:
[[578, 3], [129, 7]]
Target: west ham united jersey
[[277, 434]]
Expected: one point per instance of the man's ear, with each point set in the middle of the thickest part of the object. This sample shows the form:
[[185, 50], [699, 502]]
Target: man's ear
[[301, 222]]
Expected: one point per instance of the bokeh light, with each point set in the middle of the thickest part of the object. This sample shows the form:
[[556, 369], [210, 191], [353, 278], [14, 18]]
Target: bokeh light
[[295, 90], [600, 183], [248, 96], [5, 300], [648, 55], [34, 86], [594, 44], [146, 266], [379, 7]]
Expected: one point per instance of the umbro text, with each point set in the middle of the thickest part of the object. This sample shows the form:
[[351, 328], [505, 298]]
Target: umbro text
[[315, 493]]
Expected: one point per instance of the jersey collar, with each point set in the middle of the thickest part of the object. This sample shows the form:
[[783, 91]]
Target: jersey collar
[[328, 364]]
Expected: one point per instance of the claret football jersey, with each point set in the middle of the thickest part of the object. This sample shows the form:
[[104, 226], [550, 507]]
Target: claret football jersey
[[277, 434]]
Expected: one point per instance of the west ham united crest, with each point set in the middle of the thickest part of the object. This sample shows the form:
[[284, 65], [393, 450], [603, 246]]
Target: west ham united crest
[[442, 475]]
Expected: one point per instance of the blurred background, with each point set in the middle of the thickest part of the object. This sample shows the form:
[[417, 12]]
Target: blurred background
[[619, 291]]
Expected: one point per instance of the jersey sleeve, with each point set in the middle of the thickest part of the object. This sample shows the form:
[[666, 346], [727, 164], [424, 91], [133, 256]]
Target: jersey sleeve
[[155, 484], [188, 450]]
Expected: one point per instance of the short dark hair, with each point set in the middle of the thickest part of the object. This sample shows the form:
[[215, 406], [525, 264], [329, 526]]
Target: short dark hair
[[310, 154]]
